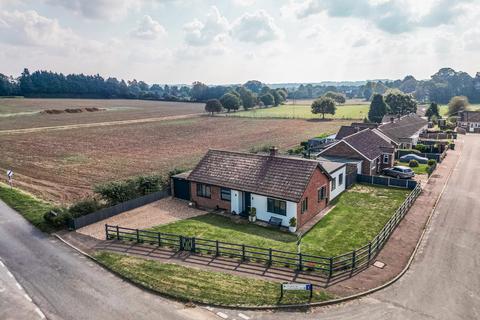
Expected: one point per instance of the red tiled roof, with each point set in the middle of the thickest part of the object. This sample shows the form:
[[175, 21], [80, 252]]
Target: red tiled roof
[[274, 176], [369, 143]]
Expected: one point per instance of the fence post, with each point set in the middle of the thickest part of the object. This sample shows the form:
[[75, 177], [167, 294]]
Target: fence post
[[330, 268], [159, 239], [118, 234], [217, 249], [354, 256], [300, 262], [243, 252], [369, 253], [270, 256], [193, 249], [180, 239], [138, 236], [106, 232]]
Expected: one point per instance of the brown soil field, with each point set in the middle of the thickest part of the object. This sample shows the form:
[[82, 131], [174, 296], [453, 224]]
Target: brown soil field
[[27, 113], [63, 165]]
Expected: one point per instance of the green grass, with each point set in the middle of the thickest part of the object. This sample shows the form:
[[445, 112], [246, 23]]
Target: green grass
[[421, 169], [192, 284], [215, 227], [359, 215], [27, 205], [352, 111]]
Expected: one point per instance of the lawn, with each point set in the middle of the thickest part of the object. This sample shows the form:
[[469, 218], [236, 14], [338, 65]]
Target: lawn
[[28, 206], [192, 284], [444, 108], [421, 169], [349, 111], [360, 213]]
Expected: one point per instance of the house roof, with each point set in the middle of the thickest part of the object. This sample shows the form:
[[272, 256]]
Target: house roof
[[331, 166], [345, 131], [403, 127], [369, 143], [470, 116], [276, 176]]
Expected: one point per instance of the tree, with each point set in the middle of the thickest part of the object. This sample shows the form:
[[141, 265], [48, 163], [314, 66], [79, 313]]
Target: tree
[[213, 105], [378, 108], [267, 99], [277, 98], [338, 97], [247, 97], [254, 86], [198, 91], [324, 105], [457, 104], [400, 103], [432, 111], [230, 101]]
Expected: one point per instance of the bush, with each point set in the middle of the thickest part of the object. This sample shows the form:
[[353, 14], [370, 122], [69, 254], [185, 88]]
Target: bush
[[296, 150], [407, 151], [431, 162], [293, 222], [149, 184], [57, 217], [422, 148], [413, 163], [84, 207]]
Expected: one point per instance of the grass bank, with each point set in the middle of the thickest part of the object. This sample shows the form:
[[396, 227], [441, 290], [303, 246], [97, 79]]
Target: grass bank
[[359, 215], [27, 205], [192, 284]]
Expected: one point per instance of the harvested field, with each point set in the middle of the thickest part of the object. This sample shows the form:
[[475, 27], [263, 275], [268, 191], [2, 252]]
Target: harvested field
[[32, 113], [63, 165]]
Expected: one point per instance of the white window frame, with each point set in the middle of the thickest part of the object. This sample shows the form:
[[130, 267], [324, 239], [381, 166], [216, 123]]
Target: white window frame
[[386, 158], [334, 183]]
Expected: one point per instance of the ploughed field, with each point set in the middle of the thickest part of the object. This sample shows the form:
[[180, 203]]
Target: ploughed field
[[30, 113], [62, 165]]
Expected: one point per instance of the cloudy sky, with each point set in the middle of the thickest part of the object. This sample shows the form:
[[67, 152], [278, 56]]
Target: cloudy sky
[[231, 41]]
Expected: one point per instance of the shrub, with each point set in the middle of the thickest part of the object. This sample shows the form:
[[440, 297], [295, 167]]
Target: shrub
[[117, 192], [422, 148], [149, 184], [57, 217], [413, 163], [407, 151], [253, 212], [293, 222], [431, 162], [84, 207], [296, 150]]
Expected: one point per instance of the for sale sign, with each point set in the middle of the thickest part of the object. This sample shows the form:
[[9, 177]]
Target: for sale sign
[[296, 287], [10, 176]]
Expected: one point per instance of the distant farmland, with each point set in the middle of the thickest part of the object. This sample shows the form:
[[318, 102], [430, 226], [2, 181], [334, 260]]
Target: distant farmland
[[289, 111], [63, 163]]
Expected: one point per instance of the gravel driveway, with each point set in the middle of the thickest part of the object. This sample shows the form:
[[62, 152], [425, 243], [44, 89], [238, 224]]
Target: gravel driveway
[[160, 212]]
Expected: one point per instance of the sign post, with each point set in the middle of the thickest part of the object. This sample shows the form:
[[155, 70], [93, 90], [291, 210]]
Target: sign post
[[296, 287], [10, 178]]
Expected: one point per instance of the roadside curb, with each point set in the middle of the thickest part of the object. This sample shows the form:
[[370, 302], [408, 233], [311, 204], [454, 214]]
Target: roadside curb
[[292, 306]]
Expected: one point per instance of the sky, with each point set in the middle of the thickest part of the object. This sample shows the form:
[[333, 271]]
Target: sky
[[232, 41]]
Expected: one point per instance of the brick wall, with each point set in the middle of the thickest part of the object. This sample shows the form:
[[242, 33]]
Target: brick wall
[[209, 203], [318, 180]]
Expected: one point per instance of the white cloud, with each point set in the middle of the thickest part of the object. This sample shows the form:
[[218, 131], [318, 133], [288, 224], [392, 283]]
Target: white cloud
[[394, 16], [257, 27], [214, 29], [148, 29], [243, 3], [98, 9], [31, 29]]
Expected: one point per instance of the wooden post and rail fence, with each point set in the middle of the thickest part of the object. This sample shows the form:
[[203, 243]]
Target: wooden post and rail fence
[[326, 267]]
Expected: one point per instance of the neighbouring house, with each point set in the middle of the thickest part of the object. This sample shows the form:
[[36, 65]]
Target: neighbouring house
[[276, 186], [319, 143], [346, 131], [338, 172], [375, 150], [404, 130], [469, 120]]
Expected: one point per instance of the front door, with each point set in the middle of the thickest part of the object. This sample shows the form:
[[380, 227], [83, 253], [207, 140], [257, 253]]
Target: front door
[[247, 203]]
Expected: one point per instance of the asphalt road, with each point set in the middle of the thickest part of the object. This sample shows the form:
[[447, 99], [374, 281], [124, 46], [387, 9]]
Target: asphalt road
[[66, 285], [444, 279]]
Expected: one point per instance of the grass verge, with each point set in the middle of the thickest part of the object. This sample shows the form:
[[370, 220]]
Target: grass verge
[[27, 205], [359, 215], [191, 284]]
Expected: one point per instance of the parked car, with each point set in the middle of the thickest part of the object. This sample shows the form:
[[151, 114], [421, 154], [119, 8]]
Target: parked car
[[399, 172], [411, 156]]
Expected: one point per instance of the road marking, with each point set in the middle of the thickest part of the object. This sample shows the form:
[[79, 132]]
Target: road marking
[[209, 308], [1, 264], [222, 315], [241, 315], [10, 274], [19, 286], [40, 313], [27, 297]]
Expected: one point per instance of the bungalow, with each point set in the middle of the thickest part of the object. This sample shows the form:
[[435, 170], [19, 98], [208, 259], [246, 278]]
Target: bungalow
[[372, 147], [276, 186], [469, 120], [404, 130], [337, 171]]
